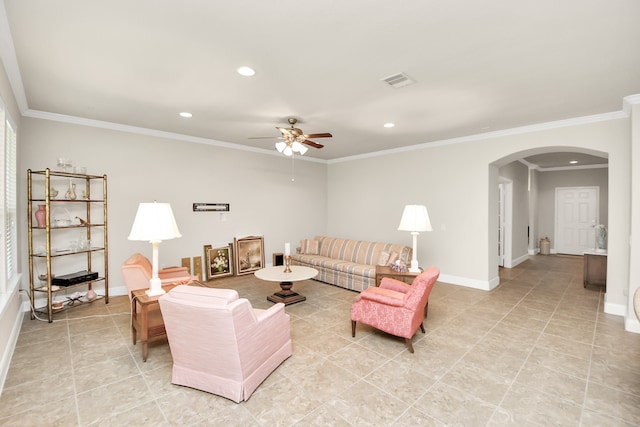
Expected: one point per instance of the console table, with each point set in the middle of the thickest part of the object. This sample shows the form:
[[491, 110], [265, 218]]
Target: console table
[[595, 268]]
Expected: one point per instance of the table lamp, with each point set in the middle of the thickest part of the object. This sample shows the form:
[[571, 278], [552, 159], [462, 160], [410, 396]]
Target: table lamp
[[415, 218], [154, 223]]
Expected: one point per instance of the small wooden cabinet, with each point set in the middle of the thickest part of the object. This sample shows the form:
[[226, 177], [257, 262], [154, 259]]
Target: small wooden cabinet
[[595, 269]]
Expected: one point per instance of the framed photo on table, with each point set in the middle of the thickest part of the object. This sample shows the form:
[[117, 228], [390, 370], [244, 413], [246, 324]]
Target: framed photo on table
[[249, 254], [218, 261]]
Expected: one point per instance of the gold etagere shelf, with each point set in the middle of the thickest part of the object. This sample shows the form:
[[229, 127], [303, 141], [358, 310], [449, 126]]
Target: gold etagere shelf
[[48, 253]]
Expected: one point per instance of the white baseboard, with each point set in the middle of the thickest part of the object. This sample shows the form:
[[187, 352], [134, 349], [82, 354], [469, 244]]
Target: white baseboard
[[484, 285], [632, 324], [615, 309], [9, 349], [519, 260]]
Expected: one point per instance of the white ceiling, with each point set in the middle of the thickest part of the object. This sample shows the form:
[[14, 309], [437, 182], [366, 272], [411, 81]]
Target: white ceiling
[[479, 66]]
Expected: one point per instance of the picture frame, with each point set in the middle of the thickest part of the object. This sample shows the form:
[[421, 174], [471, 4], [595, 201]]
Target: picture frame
[[218, 261], [249, 254]]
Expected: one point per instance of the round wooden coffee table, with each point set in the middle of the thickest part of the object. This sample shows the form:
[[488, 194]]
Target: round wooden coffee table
[[277, 274]]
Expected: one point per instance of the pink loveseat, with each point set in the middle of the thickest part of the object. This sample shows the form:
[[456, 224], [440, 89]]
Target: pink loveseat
[[219, 343]]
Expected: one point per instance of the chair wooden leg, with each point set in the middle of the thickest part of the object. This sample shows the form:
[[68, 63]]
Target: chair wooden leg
[[353, 328], [409, 344], [426, 309], [422, 327]]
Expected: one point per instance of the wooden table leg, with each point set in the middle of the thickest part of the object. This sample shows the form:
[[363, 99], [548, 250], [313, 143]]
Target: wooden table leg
[[144, 325], [133, 320], [286, 295]]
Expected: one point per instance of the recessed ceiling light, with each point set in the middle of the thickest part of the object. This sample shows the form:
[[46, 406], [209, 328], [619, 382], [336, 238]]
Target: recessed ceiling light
[[573, 162], [186, 114], [389, 125], [246, 71]]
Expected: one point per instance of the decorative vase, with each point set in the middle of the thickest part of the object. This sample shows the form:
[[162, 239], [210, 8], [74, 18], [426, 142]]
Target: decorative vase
[[40, 215], [91, 295], [71, 192]]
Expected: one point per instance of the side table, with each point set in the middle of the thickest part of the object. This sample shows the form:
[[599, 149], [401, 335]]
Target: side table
[[146, 318], [385, 271]]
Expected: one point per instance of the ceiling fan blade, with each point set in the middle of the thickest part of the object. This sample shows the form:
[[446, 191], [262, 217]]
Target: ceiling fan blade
[[284, 131], [318, 135], [312, 144]]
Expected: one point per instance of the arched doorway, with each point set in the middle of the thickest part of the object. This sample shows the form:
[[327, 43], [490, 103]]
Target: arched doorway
[[533, 184]]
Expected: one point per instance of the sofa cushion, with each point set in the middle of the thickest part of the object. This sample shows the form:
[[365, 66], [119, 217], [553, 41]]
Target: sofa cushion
[[384, 258], [311, 247]]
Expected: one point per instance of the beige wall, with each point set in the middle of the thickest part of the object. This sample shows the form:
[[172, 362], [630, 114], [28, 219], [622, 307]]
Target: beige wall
[[458, 184], [264, 200], [10, 318]]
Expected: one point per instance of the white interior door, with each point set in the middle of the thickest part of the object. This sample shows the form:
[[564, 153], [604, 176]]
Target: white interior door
[[576, 217]]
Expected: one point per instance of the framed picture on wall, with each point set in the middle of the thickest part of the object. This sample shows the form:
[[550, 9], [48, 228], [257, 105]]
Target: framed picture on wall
[[218, 261], [249, 254]]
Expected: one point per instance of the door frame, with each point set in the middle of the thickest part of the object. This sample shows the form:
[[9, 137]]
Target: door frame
[[505, 195]]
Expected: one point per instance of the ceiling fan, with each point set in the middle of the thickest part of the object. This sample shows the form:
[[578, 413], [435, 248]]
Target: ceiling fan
[[292, 139]]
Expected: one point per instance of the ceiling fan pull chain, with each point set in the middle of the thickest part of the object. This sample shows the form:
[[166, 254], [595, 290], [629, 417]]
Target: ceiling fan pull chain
[[293, 170]]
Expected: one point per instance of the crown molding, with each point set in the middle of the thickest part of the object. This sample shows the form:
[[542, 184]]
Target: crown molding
[[36, 114], [495, 134]]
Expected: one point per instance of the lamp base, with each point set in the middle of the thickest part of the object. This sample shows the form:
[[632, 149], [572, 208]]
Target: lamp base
[[155, 292], [155, 287], [414, 267]]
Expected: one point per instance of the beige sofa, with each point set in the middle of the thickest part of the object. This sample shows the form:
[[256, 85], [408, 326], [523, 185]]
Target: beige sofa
[[350, 264]]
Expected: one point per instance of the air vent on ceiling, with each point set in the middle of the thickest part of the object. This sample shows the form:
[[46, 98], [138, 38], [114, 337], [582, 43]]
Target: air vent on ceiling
[[398, 80]]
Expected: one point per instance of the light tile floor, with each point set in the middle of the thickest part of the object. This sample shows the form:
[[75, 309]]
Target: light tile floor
[[536, 351]]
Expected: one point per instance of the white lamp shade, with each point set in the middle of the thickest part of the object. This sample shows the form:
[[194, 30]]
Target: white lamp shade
[[302, 149], [154, 222], [415, 218], [288, 151]]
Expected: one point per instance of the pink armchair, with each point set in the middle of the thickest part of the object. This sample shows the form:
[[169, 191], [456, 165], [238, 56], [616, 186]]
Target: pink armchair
[[219, 343], [137, 273], [395, 307]]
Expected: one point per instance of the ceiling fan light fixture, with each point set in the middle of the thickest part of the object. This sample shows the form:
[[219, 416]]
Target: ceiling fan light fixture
[[303, 150], [280, 146], [296, 146], [288, 151]]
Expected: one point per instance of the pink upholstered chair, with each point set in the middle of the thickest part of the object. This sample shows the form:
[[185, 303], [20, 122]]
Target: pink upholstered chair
[[137, 273], [219, 343], [395, 307]]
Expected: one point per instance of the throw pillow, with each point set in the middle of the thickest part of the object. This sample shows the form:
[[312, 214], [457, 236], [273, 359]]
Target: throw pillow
[[393, 257], [310, 247], [384, 258]]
